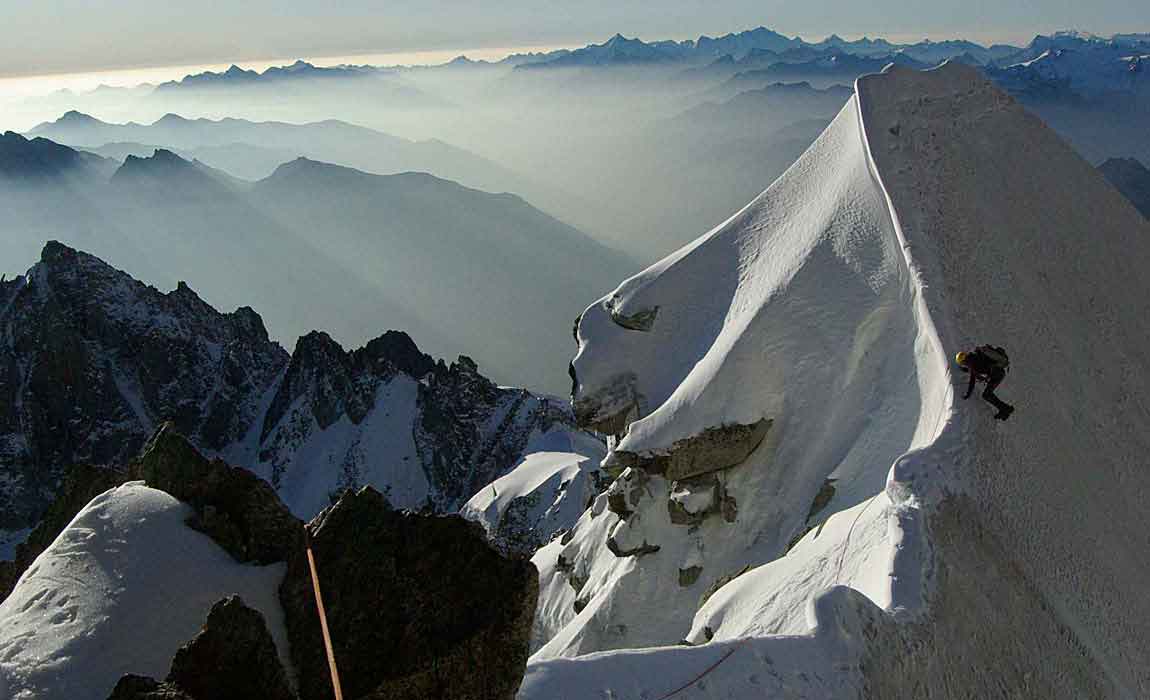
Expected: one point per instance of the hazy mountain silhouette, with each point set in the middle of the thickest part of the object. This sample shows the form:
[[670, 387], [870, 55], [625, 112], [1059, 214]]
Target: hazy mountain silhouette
[[317, 245]]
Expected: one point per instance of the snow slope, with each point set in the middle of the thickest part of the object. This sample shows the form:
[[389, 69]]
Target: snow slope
[[543, 494], [1042, 255], [956, 555], [119, 591], [800, 310]]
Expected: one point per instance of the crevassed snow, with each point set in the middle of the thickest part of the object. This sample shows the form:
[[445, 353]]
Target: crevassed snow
[[119, 591]]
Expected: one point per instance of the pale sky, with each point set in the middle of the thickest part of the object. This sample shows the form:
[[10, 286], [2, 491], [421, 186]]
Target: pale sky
[[64, 36]]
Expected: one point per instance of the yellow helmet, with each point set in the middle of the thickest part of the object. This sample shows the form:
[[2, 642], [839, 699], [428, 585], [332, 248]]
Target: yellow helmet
[[960, 358]]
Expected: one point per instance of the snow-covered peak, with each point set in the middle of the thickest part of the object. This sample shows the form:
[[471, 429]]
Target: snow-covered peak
[[740, 374], [802, 498]]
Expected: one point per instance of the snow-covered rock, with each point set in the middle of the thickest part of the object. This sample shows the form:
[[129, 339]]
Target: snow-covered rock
[[119, 591], [888, 541]]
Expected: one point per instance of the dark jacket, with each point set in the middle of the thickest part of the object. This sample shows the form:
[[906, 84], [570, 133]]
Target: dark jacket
[[982, 367]]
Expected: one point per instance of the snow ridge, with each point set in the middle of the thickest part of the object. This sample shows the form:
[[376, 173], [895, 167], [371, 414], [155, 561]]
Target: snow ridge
[[920, 531], [816, 251]]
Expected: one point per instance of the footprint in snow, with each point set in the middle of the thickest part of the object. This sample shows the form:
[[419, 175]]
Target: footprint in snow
[[46, 595], [64, 616]]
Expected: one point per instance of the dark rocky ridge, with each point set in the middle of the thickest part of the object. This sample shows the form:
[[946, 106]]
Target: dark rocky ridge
[[234, 507], [94, 361], [232, 658], [351, 377], [418, 607]]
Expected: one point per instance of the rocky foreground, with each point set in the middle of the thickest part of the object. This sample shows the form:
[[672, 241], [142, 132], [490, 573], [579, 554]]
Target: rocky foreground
[[418, 606]]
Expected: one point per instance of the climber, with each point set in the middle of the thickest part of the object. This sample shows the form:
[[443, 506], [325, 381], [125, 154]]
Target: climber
[[987, 363]]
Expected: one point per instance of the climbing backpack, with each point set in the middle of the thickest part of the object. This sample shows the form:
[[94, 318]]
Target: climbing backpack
[[997, 355]]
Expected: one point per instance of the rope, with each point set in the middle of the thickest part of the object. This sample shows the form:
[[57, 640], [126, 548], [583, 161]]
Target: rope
[[707, 670], [323, 620], [850, 533]]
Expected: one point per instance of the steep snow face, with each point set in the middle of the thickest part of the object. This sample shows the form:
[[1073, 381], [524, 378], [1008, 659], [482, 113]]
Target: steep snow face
[[763, 381], [1005, 559], [126, 569]]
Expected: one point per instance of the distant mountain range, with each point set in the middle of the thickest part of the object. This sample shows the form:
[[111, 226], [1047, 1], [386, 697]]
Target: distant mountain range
[[253, 150], [301, 80], [1057, 65], [317, 245], [619, 50], [298, 70]]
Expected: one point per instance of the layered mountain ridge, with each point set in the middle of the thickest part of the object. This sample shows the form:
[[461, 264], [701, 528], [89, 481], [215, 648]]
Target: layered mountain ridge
[[447, 263]]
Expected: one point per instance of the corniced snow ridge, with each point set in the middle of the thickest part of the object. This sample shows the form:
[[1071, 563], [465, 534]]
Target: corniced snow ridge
[[882, 539]]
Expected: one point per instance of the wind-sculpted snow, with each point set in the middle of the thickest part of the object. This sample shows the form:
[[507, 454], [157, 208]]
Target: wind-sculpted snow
[[797, 315], [986, 559], [126, 569]]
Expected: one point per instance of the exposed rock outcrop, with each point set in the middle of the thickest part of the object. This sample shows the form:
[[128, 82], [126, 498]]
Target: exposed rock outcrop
[[712, 450], [418, 606], [694, 500], [641, 320], [610, 409], [234, 507], [625, 493], [232, 658], [95, 361]]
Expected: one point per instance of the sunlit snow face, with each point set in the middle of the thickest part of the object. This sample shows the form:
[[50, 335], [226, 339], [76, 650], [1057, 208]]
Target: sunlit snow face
[[603, 393], [637, 343]]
